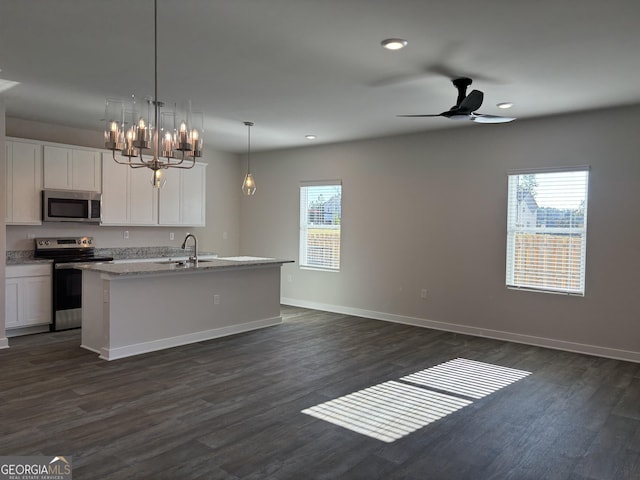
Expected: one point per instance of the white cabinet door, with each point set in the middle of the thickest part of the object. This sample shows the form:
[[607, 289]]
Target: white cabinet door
[[58, 169], [194, 195], [86, 171], [169, 204], [36, 300], [115, 197], [28, 295], [72, 169], [183, 198], [12, 300], [23, 183], [143, 198], [128, 198]]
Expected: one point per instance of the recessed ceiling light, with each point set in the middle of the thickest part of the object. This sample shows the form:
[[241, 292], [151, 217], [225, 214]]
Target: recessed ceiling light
[[394, 43], [310, 137], [504, 105]]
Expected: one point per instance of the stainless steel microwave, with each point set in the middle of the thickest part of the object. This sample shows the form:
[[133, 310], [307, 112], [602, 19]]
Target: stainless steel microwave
[[70, 206]]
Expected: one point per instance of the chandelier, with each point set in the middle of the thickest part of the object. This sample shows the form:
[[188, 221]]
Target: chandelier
[[167, 145]]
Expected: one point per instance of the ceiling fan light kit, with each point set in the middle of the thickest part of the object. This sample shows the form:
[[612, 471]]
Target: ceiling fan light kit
[[466, 106]]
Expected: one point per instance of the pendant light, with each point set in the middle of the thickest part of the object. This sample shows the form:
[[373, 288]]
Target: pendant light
[[131, 133], [249, 185]]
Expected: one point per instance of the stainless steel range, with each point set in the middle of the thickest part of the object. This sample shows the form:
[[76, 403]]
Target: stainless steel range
[[67, 253]]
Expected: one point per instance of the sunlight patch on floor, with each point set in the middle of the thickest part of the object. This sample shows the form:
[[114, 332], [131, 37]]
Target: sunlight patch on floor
[[390, 410], [387, 411], [466, 377]]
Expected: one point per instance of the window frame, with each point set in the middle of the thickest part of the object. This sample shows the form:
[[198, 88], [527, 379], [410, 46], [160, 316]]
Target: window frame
[[303, 246], [512, 231]]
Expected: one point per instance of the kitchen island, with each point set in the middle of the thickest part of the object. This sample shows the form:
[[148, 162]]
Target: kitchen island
[[134, 308]]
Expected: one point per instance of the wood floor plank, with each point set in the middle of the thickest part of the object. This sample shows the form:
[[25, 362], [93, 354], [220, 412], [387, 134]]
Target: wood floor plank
[[230, 408]]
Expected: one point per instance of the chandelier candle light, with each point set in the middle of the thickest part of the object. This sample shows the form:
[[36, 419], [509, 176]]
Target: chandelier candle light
[[127, 130], [249, 184]]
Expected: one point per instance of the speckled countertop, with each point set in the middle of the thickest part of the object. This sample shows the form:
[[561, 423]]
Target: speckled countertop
[[162, 267], [25, 257]]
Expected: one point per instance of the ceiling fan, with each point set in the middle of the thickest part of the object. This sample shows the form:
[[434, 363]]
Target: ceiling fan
[[466, 106]]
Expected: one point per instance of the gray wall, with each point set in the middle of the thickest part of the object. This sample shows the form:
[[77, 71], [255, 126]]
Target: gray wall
[[223, 200], [429, 211]]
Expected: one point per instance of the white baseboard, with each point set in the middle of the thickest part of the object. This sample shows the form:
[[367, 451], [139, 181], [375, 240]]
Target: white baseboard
[[4, 342], [161, 344], [16, 332], [627, 355], [82, 345]]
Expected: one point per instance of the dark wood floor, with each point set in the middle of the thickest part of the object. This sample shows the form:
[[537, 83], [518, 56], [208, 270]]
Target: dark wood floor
[[230, 408]]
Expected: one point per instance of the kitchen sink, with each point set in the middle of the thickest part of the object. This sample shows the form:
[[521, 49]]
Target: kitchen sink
[[177, 263], [181, 263]]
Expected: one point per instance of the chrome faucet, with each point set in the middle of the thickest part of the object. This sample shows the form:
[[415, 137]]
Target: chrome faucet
[[193, 258]]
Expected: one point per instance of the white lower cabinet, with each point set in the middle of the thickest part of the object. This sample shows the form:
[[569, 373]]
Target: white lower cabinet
[[27, 296]]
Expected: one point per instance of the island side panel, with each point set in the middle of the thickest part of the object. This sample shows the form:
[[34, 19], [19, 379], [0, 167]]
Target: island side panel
[[93, 311], [151, 312]]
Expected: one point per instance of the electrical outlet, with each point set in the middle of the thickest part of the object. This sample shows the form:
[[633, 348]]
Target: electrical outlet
[[125, 234], [31, 236], [289, 278], [216, 299], [172, 236], [423, 293]]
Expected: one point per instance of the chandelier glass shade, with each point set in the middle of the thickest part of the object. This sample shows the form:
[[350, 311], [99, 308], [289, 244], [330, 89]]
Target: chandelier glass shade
[[249, 184], [150, 137]]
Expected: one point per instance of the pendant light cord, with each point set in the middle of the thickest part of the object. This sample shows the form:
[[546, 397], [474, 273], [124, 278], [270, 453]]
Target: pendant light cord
[[155, 75], [249, 125]]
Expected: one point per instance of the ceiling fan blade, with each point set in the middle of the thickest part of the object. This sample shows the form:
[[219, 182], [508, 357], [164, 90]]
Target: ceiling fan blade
[[471, 102], [426, 115], [480, 118]]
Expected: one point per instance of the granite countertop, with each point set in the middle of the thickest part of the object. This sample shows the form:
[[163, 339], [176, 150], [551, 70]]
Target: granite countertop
[[26, 257], [161, 267], [27, 261]]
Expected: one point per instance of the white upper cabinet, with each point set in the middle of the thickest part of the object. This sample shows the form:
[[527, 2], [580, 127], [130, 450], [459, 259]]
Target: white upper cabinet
[[143, 198], [194, 196], [128, 198], [23, 183], [170, 206], [183, 198], [68, 168]]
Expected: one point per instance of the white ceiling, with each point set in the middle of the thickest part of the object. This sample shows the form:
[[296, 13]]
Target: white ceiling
[[297, 67]]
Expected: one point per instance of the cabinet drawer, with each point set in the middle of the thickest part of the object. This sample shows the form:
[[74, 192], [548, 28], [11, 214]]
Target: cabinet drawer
[[15, 271]]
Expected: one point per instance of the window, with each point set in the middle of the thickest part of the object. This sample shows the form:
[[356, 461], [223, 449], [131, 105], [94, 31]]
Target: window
[[320, 219], [546, 230]]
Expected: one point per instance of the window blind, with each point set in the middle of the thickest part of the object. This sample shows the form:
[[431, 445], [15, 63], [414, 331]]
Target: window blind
[[546, 230], [320, 222]]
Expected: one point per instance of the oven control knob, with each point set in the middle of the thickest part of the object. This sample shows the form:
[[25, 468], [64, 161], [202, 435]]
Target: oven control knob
[[90, 241], [47, 242]]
